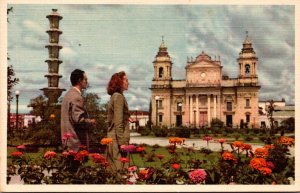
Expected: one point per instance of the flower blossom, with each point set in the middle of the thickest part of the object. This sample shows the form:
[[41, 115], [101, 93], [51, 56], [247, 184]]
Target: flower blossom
[[145, 174], [238, 144], [106, 141], [286, 141], [16, 154], [132, 169], [271, 146], [123, 160], [21, 147], [257, 163], [176, 140], [197, 176], [67, 136], [246, 147], [128, 148], [160, 156], [65, 154], [261, 152], [221, 140], [81, 155], [207, 138], [228, 156], [49, 154], [265, 170], [97, 158], [270, 165], [140, 149], [176, 166]]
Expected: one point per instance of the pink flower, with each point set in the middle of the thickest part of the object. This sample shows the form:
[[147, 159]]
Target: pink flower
[[21, 147], [270, 165], [128, 148], [132, 169], [49, 154], [16, 154], [207, 138], [197, 176], [72, 152], [67, 136]]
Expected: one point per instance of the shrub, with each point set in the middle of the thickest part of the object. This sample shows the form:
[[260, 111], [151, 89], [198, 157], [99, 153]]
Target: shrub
[[183, 132], [160, 132], [144, 131], [248, 138]]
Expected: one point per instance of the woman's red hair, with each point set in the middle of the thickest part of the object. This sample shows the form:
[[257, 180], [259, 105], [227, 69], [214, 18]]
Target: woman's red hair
[[116, 83]]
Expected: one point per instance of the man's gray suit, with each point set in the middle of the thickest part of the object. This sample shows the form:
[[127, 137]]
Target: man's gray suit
[[74, 119]]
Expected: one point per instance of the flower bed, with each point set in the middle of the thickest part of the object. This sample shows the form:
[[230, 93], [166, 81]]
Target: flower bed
[[269, 164]]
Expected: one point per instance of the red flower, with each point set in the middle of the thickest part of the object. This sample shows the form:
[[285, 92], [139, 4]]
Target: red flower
[[128, 148], [49, 154], [140, 149], [160, 156], [221, 140], [16, 154], [207, 138], [65, 154], [98, 158], [176, 166], [197, 176], [246, 147], [81, 155], [124, 160]]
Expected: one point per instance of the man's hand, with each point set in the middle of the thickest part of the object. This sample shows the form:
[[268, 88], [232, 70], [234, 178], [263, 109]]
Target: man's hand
[[91, 121]]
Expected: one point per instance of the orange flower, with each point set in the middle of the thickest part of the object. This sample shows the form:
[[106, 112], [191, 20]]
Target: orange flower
[[265, 170], [261, 152], [246, 147], [257, 163], [271, 146], [81, 155], [286, 141], [176, 140], [106, 141], [237, 144], [228, 156]]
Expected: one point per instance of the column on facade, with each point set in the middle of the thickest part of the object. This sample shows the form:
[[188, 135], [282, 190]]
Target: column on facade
[[186, 110], [215, 106], [191, 109], [155, 71], [208, 110], [197, 111], [219, 105]]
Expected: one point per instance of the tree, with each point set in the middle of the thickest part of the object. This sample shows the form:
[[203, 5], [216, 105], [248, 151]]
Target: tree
[[39, 105], [270, 109]]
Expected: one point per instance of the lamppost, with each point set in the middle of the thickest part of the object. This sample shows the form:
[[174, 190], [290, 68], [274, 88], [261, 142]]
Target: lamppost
[[180, 111], [156, 99], [136, 120], [17, 109]]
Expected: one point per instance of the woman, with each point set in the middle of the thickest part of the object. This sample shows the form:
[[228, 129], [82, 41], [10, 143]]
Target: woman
[[117, 115]]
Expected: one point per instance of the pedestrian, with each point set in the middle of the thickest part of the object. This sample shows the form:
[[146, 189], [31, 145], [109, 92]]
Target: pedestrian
[[74, 117], [118, 116]]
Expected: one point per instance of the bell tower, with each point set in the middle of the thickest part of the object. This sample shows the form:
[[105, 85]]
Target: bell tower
[[247, 60], [162, 64]]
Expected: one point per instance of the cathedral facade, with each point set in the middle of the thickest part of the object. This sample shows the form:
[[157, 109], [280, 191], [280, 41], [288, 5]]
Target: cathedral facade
[[205, 93]]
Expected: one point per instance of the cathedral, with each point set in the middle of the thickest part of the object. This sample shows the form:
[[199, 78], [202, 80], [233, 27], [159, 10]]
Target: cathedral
[[205, 93]]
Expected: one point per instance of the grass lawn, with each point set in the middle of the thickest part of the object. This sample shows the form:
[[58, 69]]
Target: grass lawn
[[183, 155]]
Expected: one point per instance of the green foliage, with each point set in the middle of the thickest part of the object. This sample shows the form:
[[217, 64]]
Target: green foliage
[[144, 131], [182, 132], [160, 132]]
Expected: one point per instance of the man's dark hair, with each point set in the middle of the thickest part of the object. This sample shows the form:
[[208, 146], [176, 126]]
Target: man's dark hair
[[76, 76]]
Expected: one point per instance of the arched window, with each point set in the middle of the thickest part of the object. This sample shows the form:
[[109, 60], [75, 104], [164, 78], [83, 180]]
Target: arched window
[[160, 72], [247, 69]]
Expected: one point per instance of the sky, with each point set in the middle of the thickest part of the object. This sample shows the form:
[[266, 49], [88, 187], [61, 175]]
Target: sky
[[105, 39]]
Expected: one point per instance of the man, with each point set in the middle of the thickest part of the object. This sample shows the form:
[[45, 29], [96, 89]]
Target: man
[[74, 118]]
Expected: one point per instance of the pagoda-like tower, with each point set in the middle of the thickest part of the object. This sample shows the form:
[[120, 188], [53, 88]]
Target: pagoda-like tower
[[53, 92]]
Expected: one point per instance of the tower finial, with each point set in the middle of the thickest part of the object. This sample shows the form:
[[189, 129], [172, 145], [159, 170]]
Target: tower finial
[[247, 33], [162, 39]]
